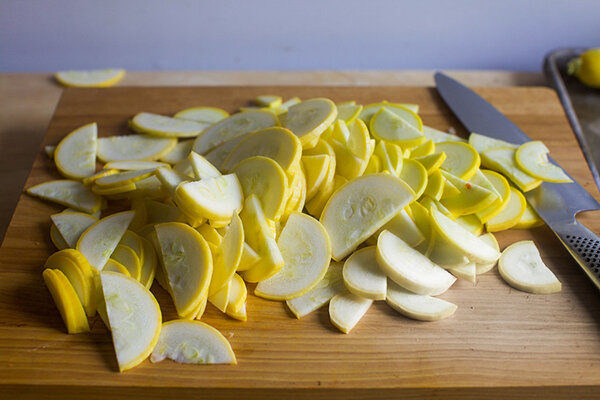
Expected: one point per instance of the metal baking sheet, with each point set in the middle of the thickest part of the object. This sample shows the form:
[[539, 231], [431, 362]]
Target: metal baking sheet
[[581, 104]]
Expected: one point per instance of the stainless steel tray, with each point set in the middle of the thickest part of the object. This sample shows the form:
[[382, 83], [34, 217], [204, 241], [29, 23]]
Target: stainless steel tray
[[581, 104]]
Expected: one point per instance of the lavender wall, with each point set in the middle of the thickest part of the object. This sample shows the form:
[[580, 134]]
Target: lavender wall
[[290, 35]]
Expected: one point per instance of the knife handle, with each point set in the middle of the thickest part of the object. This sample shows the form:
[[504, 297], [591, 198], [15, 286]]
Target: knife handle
[[584, 246]]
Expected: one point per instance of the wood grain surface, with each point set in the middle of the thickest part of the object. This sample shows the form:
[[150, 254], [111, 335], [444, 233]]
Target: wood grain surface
[[500, 343]]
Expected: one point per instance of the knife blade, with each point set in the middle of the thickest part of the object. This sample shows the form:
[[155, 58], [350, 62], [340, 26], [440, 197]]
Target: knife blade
[[556, 203]]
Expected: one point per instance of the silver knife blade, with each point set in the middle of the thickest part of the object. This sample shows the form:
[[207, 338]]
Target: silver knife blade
[[556, 203], [475, 113]]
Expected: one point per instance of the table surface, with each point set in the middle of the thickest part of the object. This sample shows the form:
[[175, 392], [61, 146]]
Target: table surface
[[492, 348], [27, 103]]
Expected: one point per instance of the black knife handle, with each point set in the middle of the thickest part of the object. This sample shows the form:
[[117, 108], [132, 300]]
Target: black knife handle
[[584, 246]]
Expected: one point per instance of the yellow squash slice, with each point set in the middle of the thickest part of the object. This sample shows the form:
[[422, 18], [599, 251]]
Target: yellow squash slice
[[502, 188], [466, 271], [409, 268], [220, 299], [422, 219], [75, 155], [389, 157], [180, 152], [387, 125], [276, 143], [72, 224], [403, 226], [331, 284], [57, 240], [418, 306], [415, 176], [91, 78], [237, 295], [423, 150], [240, 315], [449, 189], [360, 142], [315, 205], [362, 275], [268, 100], [68, 193], [529, 219], [150, 188], [264, 177], [281, 111], [490, 240], [115, 190], [462, 160], [123, 178], [134, 242], [210, 234], [444, 253], [346, 309], [306, 251], [184, 167], [134, 318], [309, 119], [232, 127], [154, 211], [432, 162], [355, 138], [187, 263], [464, 240], [373, 165], [79, 273], [471, 223], [134, 147], [348, 165], [249, 258], [435, 185], [258, 236], [149, 263], [163, 126], [532, 158], [315, 169], [88, 181], [510, 215], [470, 199], [348, 111], [125, 256], [115, 266], [438, 136], [192, 342], [202, 168], [361, 207], [404, 110], [214, 198], [199, 311], [219, 154], [208, 115], [502, 159], [482, 143], [522, 268], [99, 241], [171, 178], [228, 255], [134, 165], [66, 301]]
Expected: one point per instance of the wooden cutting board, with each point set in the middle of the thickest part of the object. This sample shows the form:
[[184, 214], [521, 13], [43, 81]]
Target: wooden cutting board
[[500, 342]]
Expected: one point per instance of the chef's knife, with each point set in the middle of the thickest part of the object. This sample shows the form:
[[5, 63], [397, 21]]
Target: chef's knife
[[556, 203]]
